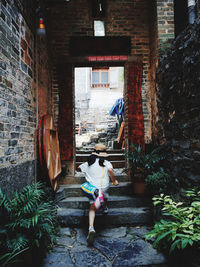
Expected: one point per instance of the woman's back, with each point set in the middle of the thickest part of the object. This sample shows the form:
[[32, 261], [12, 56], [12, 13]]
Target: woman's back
[[96, 174]]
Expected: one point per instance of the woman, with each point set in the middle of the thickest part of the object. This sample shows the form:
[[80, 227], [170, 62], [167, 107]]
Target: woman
[[97, 171]]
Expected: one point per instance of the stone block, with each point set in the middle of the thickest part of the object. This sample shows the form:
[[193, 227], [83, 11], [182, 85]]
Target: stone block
[[24, 67], [15, 25], [12, 142], [11, 106], [114, 232], [58, 258], [14, 135], [2, 65], [15, 177], [111, 247], [23, 44], [139, 253], [1, 127], [88, 257]]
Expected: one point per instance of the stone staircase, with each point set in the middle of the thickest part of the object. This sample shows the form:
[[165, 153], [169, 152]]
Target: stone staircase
[[124, 207]]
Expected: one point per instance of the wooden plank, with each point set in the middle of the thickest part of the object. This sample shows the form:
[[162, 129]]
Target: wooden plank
[[120, 138], [51, 150]]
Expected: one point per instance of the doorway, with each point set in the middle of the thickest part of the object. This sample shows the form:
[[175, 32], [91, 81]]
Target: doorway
[[99, 106], [134, 122]]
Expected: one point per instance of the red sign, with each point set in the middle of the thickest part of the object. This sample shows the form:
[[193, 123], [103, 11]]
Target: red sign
[[108, 58]]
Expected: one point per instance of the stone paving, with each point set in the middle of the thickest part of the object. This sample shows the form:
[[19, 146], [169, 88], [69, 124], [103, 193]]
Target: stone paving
[[117, 247]]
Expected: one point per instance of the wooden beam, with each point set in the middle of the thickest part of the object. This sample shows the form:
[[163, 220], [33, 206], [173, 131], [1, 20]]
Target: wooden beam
[[97, 46]]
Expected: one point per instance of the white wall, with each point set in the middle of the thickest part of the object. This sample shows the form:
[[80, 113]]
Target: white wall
[[93, 104]]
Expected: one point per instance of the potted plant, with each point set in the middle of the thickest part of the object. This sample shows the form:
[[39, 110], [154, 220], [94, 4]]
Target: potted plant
[[140, 165]]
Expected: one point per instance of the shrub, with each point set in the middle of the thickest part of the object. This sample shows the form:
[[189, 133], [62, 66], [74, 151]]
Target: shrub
[[180, 227], [27, 224], [158, 182]]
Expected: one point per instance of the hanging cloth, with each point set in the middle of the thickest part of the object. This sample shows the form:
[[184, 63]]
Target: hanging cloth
[[117, 108]]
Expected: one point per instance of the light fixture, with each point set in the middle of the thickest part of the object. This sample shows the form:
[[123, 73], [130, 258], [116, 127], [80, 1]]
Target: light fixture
[[41, 28]]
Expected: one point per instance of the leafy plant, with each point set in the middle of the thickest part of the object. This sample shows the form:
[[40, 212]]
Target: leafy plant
[[139, 160], [27, 223], [180, 226], [158, 182]]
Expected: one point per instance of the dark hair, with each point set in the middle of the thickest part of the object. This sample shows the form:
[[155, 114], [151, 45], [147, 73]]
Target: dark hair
[[92, 158]]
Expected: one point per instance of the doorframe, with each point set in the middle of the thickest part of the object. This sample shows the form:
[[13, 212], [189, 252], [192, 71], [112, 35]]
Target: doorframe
[[97, 64], [72, 63]]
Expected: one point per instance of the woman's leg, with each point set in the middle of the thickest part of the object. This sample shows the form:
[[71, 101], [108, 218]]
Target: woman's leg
[[91, 233], [105, 207], [106, 195], [91, 215]]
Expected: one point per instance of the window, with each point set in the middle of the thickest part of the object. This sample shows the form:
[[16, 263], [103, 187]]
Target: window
[[100, 77], [99, 28]]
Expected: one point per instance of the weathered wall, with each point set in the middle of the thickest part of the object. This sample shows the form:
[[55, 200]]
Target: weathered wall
[[44, 78], [18, 98], [93, 104], [165, 23], [179, 109], [129, 18], [122, 19], [153, 66], [161, 37]]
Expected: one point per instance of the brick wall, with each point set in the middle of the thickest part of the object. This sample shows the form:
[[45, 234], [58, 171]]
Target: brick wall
[[20, 75], [153, 67], [18, 92], [44, 78], [165, 21], [161, 37], [130, 18], [149, 24]]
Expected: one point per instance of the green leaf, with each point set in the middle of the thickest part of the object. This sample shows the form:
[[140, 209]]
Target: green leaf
[[156, 202], [173, 235], [184, 243], [37, 243], [191, 242], [174, 244], [162, 236]]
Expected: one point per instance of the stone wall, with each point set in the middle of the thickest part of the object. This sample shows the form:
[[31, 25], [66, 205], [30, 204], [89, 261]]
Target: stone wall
[[18, 97], [179, 109]]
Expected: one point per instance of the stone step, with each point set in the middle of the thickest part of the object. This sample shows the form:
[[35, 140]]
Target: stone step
[[74, 190], [79, 178], [112, 157], [116, 164], [113, 202], [115, 217]]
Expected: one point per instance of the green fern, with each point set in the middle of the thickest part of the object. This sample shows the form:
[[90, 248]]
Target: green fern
[[27, 221]]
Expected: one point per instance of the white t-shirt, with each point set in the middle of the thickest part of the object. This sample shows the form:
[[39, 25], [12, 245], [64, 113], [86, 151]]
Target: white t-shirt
[[93, 173]]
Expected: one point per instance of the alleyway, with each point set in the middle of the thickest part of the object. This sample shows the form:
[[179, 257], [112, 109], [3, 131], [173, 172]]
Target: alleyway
[[42, 135], [122, 247]]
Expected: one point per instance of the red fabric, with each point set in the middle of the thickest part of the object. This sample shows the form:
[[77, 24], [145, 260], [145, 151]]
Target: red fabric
[[65, 120], [135, 113]]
